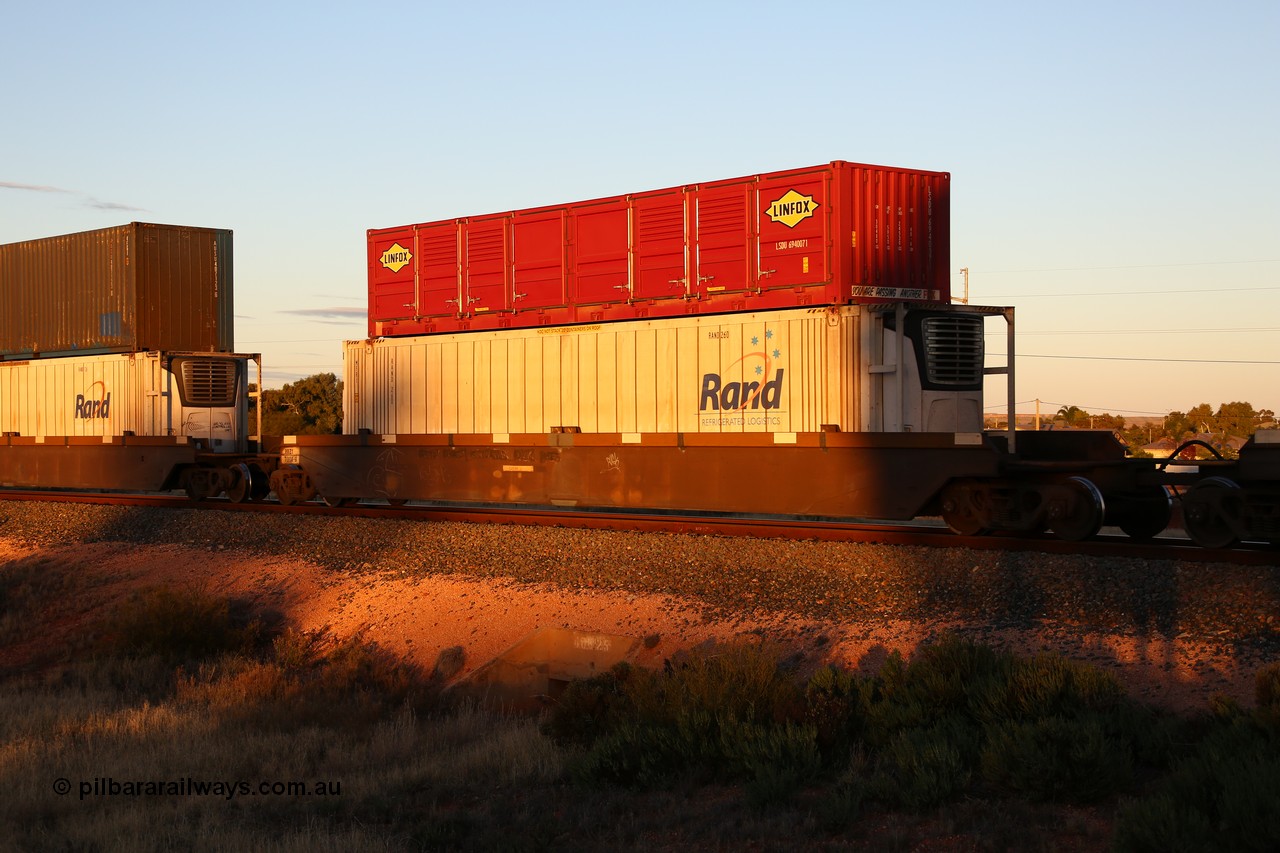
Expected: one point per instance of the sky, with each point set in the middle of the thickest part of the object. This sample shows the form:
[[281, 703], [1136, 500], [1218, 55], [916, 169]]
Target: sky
[[1115, 165]]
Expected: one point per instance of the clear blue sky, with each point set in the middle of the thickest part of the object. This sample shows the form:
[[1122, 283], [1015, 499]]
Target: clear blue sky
[[1115, 165]]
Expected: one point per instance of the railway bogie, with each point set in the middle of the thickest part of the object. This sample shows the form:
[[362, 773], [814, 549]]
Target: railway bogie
[[1237, 499]]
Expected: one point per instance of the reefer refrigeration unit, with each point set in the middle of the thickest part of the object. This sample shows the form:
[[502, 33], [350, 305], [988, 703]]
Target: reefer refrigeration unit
[[836, 234], [129, 288]]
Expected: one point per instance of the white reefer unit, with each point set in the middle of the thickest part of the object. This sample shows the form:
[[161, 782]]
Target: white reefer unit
[[202, 396], [852, 368]]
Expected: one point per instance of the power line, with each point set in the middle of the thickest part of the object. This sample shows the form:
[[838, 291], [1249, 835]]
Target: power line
[[1126, 358], [1139, 331], [1127, 267], [1131, 292]]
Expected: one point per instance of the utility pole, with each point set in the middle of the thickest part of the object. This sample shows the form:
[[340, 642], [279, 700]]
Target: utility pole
[[1037, 414], [965, 300]]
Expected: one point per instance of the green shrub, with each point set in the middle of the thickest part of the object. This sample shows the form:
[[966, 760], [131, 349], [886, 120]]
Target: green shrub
[[1267, 695], [721, 711], [1048, 686], [1057, 758], [589, 708], [840, 806], [921, 768], [835, 706], [775, 760], [1225, 796], [178, 626], [633, 754]]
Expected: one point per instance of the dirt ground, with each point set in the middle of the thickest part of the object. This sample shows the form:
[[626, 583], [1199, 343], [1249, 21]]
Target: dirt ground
[[417, 618]]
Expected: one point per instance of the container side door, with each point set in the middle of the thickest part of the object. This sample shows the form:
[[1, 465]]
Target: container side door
[[793, 213], [900, 236], [438, 269], [538, 261], [485, 272], [393, 263], [722, 234], [601, 245], [658, 223]]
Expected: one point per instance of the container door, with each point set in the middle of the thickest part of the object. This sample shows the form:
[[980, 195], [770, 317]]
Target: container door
[[601, 253], [722, 229], [661, 255], [485, 271], [538, 265], [438, 270], [793, 215], [392, 264]]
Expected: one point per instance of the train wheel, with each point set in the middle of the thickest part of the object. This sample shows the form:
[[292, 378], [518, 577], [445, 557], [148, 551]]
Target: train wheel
[[292, 486], [1076, 510], [959, 510], [1147, 514], [289, 494], [242, 487], [1207, 511], [196, 483]]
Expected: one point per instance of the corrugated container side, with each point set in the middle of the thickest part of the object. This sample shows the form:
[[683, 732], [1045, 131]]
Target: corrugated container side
[[146, 393], [782, 371], [82, 396], [127, 288], [835, 234]]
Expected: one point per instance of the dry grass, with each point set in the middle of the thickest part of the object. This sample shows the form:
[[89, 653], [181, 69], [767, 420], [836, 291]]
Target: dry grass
[[182, 690]]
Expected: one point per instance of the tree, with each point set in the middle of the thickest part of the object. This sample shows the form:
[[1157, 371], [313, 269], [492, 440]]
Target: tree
[[1237, 419], [1070, 415], [1201, 418], [310, 406], [1178, 426]]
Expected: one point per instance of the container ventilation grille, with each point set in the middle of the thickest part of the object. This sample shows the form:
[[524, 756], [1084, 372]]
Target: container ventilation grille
[[954, 350], [208, 382]]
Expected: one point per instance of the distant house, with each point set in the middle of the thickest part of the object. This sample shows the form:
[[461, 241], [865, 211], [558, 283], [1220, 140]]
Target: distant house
[[1161, 448]]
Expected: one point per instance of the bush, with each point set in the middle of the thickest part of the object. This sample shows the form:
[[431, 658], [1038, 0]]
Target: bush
[[184, 626], [775, 760], [1058, 758], [921, 768], [725, 711], [1225, 796], [589, 708], [835, 706], [1048, 686]]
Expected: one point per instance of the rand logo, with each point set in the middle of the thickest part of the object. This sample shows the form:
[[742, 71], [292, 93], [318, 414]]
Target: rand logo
[[94, 406]]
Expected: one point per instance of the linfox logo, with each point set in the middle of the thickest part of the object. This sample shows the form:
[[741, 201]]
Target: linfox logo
[[792, 208], [763, 393], [396, 257], [91, 406]]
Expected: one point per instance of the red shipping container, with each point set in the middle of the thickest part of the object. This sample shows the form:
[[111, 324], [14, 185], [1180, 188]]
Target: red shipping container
[[834, 234]]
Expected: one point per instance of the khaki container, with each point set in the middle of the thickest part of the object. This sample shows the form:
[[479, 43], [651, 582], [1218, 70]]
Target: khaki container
[[787, 371]]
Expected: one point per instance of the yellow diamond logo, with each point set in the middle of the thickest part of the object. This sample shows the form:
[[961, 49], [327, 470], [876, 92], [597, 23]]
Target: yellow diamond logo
[[396, 257], [792, 208]]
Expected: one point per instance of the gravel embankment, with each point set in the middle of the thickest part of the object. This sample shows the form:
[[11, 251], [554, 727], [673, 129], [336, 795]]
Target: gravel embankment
[[1227, 606]]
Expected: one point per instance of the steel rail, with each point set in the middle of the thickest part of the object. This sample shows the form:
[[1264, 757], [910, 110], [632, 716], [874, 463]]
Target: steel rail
[[1169, 546]]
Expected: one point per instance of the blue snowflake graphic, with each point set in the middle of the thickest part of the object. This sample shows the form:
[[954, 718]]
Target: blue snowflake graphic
[[777, 353], [768, 334], [759, 370], [755, 340]]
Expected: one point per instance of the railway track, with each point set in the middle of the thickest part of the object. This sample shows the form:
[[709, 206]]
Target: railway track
[[924, 533]]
